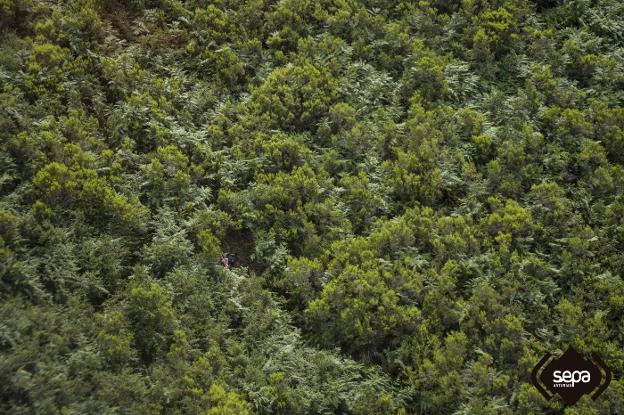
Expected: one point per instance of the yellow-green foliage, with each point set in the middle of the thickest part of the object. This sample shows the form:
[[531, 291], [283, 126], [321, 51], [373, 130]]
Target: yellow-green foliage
[[294, 97], [422, 199]]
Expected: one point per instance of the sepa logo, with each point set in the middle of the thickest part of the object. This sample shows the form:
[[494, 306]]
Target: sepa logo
[[567, 379], [571, 376]]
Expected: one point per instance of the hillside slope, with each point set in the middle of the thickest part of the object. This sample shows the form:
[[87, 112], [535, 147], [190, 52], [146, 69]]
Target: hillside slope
[[425, 198]]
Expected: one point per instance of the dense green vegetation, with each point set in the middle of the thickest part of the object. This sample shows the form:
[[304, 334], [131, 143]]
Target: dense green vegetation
[[425, 198]]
